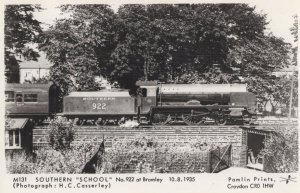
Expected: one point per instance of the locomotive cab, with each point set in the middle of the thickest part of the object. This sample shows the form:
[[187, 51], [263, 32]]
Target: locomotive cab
[[148, 97]]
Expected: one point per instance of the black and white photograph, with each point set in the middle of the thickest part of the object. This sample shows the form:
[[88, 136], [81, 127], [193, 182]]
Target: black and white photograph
[[101, 95]]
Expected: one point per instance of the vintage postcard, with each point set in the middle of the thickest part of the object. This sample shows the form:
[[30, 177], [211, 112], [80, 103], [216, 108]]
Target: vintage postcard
[[149, 96]]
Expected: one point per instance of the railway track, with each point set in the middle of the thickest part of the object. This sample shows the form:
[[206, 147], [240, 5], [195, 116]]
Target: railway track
[[259, 122]]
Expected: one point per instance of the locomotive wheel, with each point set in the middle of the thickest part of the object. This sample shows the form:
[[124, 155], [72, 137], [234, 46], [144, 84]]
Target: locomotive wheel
[[79, 122], [99, 122], [122, 121], [221, 119], [105, 122], [192, 119], [161, 119], [90, 122]]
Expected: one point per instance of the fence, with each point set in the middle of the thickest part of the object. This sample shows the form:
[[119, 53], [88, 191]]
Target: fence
[[219, 159]]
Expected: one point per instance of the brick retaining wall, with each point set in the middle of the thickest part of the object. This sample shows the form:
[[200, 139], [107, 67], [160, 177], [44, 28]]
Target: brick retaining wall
[[219, 135]]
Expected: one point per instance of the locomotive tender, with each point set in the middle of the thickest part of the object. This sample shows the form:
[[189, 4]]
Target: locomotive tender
[[155, 103]]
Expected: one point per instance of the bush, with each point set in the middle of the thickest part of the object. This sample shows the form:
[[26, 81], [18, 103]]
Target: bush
[[61, 133], [281, 151], [139, 154], [143, 154], [68, 161], [20, 163], [48, 160]]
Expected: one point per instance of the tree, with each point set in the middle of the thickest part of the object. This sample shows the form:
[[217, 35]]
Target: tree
[[294, 32], [190, 43], [280, 91], [283, 91], [21, 31], [132, 58], [180, 42], [161, 42], [259, 59], [250, 54], [281, 151], [61, 134], [79, 45]]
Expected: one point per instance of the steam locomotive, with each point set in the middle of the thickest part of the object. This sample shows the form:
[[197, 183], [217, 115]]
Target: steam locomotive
[[154, 103]]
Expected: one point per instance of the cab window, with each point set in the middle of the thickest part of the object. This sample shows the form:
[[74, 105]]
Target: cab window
[[144, 92], [9, 96], [19, 98], [30, 97]]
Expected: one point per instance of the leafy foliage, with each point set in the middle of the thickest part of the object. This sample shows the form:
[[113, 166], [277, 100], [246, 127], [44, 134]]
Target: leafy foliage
[[77, 46], [184, 43], [20, 29], [19, 163], [277, 89], [282, 149], [294, 32], [143, 154], [280, 96], [48, 160], [61, 134]]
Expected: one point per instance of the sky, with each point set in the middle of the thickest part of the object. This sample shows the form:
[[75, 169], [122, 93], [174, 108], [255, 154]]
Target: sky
[[280, 16], [279, 13]]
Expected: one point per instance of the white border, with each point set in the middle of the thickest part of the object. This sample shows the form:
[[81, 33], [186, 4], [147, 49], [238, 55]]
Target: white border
[[205, 182]]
